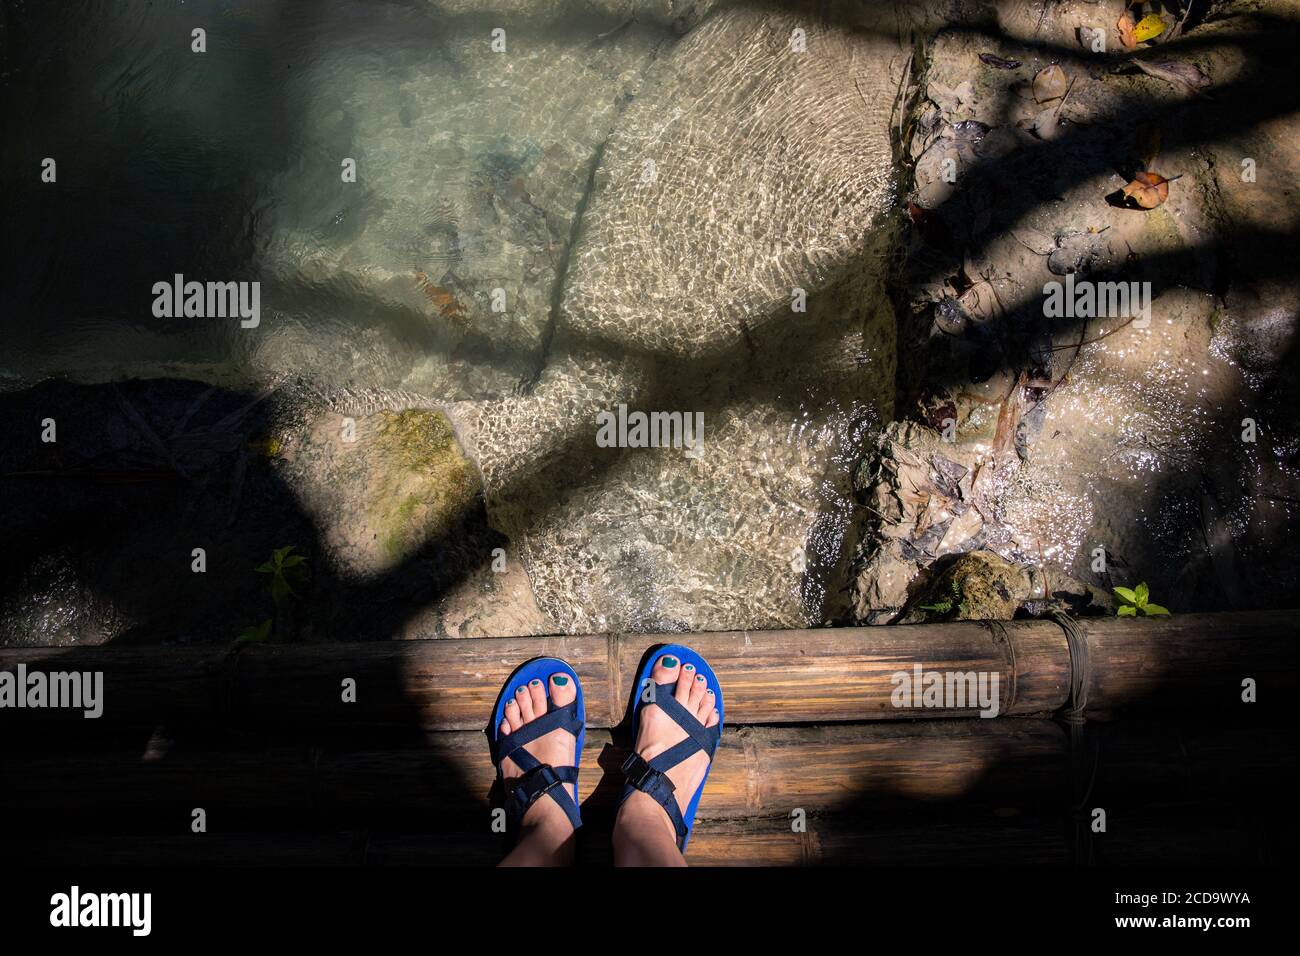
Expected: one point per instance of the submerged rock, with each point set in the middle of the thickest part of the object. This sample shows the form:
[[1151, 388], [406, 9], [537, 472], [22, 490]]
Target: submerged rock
[[744, 175], [392, 492], [381, 485]]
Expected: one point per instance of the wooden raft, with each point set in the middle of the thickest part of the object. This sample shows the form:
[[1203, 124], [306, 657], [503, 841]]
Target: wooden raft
[[288, 772]]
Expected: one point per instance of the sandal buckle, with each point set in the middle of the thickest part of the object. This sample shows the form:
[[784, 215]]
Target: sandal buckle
[[535, 783], [638, 772]]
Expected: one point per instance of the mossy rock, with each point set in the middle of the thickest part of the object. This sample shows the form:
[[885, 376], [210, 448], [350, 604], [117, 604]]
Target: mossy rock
[[978, 586]]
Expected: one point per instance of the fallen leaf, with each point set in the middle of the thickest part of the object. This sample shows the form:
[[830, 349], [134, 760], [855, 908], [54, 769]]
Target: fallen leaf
[[998, 62], [1125, 27], [1176, 72], [1050, 83], [1148, 190], [1148, 28]]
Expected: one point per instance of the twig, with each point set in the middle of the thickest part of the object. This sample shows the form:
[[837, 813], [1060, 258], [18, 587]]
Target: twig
[[1104, 335]]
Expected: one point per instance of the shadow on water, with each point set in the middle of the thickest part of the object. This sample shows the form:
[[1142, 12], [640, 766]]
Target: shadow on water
[[104, 521]]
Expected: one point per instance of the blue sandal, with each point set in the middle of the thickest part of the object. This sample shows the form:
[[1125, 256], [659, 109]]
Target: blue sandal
[[651, 777], [538, 778]]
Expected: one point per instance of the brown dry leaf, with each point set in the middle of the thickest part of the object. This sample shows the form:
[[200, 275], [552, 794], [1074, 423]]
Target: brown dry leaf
[[1050, 83], [1125, 27], [1180, 74], [1148, 190]]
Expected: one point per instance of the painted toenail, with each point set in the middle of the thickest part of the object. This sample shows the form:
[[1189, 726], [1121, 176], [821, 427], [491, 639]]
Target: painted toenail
[[669, 662], [561, 681], [710, 693], [690, 667], [535, 682], [699, 677]]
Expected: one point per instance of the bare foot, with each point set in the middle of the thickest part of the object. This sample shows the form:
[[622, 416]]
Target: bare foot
[[656, 732], [556, 748]]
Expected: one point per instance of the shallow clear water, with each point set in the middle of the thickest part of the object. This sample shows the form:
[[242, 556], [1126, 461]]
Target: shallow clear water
[[501, 254]]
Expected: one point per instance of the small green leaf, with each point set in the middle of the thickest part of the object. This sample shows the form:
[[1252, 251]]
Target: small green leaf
[[256, 634], [1127, 595], [1142, 593], [280, 588], [1127, 610], [1155, 609], [281, 553], [266, 568], [293, 559]]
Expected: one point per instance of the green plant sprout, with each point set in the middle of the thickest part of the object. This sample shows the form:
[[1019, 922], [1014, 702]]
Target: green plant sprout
[[284, 570], [257, 634], [1136, 603], [945, 606]]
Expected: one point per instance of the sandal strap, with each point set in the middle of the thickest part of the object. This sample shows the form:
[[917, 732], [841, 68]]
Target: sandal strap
[[706, 738], [642, 775], [522, 792], [556, 718], [651, 777]]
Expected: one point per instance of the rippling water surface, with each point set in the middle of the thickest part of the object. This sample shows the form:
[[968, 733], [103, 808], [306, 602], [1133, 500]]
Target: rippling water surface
[[502, 253]]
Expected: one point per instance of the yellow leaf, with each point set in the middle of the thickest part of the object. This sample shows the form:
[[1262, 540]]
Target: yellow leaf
[[1148, 28]]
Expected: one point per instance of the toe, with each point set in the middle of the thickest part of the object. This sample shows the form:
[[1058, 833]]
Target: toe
[[685, 683], [666, 669], [708, 703], [504, 729], [514, 719], [713, 719], [537, 693], [525, 702], [563, 689], [697, 692]]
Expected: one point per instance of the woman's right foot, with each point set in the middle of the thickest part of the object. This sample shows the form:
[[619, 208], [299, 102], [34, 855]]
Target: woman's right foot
[[657, 732]]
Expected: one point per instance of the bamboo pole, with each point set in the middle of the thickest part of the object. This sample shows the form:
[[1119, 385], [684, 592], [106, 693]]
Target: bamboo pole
[[759, 772], [770, 677]]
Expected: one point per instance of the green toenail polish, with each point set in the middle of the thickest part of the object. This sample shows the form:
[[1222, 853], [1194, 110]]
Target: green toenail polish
[[690, 667], [561, 681], [669, 662], [699, 677], [535, 682]]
